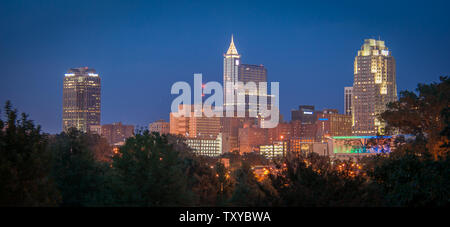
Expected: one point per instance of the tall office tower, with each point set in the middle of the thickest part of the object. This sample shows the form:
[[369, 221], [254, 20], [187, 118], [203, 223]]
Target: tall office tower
[[374, 86], [252, 73], [160, 126], [231, 62], [81, 99], [348, 91]]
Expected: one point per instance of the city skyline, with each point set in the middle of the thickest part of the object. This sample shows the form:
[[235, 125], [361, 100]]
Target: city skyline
[[132, 76]]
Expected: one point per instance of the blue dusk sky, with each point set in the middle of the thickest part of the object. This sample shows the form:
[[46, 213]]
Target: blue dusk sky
[[140, 48]]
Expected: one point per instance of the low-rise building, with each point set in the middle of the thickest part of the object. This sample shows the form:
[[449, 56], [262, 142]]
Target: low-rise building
[[206, 145], [159, 126]]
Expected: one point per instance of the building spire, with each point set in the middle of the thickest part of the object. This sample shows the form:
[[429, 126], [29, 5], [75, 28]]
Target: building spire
[[232, 49]]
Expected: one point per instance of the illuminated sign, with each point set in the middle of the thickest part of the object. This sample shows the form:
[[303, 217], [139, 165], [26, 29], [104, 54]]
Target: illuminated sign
[[361, 137], [323, 119], [307, 112]]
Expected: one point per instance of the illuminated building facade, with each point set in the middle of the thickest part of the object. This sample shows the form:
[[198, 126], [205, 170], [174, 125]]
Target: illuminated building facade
[[206, 145], [348, 91], [331, 123], [256, 74], [275, 150], [345, 147], [374, 86], [199, 126], [159, 126], [193, 126], [231, 63], [234, 71], [303, 130], [305, 114], [283, 131], [81, 99]]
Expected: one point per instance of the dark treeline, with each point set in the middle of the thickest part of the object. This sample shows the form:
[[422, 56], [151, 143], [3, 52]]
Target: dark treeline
[[77, 169]]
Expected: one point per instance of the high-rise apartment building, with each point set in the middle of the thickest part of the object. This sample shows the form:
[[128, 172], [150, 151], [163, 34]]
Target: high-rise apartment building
[[81, 99], [348, 91], [374, 86]]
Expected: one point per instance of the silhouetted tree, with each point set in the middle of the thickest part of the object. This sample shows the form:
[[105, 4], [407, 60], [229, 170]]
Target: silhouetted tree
[[81, 179], [150, 172], [225, 184], [248, 191], [408, 179], [310, 180], [24, 163], [424, 115]]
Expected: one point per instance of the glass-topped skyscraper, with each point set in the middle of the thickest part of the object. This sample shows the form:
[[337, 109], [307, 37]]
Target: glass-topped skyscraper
[[256, 74], [234, 71], [374, 86], [81, 99]]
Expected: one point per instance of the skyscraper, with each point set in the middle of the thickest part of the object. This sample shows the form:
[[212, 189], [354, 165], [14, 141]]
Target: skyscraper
[[256, 74], [374, 86], [81, 99], [231, 63], [348, 91], [252, 73]]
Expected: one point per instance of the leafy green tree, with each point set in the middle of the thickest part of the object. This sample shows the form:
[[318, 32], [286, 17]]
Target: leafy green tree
[[24, 163]]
